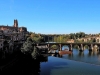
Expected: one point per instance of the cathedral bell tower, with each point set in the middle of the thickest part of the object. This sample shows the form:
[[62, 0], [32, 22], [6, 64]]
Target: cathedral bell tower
[[15, 23]]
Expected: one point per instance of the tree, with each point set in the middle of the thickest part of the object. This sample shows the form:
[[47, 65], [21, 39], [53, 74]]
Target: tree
[[72, 36], [36, 53], [29, 48], [36, 37]]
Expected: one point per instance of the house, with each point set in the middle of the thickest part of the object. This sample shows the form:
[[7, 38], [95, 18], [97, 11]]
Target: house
[[70, 41]]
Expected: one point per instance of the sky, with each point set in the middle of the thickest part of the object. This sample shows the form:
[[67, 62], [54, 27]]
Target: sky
[[52, 16]]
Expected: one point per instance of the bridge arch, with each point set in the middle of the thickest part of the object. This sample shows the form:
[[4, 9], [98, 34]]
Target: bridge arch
[[64, 47], [76, 46], [95, 46], [79, 46], [86, 46], [54, 47]]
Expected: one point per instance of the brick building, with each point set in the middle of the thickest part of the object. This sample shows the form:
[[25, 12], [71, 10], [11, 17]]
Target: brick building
[[13, 32]]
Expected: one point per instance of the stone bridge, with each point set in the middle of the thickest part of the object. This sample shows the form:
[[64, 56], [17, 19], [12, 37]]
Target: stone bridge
[[81, 46]]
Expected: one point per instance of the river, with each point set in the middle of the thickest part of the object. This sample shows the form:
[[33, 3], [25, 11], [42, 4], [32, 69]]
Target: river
[[77, 63]]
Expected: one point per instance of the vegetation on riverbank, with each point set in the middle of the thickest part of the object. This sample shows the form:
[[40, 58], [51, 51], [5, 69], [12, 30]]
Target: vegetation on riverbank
[[29, 48], [63, 38], [36, 37]]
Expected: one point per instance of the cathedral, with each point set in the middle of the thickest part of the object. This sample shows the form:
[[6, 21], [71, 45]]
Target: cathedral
[[14, 32], [13, 28]]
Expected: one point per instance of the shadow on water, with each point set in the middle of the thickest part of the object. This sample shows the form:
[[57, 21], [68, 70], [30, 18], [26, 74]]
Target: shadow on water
[[28, 66], [24, 66]]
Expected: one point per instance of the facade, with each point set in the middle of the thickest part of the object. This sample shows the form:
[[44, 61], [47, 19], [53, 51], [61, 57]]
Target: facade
[[90, 38], [70, 41], [14, 32]]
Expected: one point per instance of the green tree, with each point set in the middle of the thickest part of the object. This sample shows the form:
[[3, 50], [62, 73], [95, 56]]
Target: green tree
[[36, 53], [36, 37], [27, 47]]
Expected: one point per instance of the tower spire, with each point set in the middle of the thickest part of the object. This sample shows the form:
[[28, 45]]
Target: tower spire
[[15, 23]]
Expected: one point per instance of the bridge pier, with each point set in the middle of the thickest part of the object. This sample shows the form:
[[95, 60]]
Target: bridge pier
[[81, 47], [70, 47], [60, 47], [91, 47], [48, 47]]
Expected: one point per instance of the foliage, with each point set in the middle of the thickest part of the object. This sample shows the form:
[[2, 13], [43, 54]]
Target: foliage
[[86, 46], [54, 47], [39, 38], [36, 37], [36, 53], [65, 38], [29, 48], [61, 38], [76, 46]]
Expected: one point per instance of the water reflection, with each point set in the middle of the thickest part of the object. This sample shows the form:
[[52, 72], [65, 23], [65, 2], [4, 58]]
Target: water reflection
[[60, 56], [70, 55], [93, 53], [80, 54], [25, 66], [98, 53], [84, 56], [56, 66], [90, 53]]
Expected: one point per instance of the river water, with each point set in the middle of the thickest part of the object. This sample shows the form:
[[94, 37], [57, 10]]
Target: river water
[[77, 63], [86, 56]]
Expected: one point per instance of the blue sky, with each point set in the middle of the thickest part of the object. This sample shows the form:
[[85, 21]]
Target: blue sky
[[52, 16]]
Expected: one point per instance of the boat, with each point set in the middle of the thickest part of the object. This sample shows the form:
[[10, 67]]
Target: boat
[[65, 52]]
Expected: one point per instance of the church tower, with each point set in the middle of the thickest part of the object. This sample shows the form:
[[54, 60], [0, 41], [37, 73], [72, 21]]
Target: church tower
[[15, 23]]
